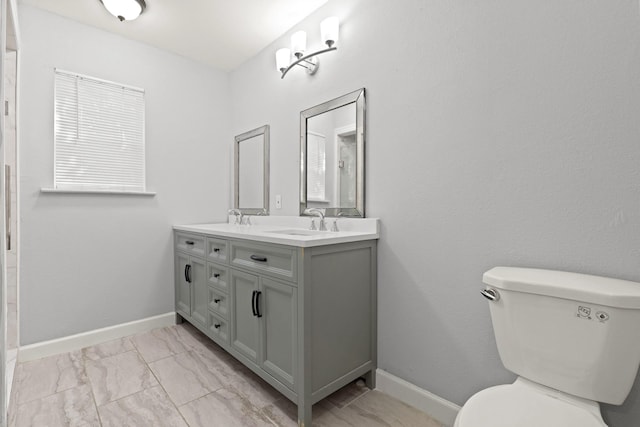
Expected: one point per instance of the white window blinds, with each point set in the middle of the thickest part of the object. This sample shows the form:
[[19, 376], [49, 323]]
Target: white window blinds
[[316, 166], [99, 135]]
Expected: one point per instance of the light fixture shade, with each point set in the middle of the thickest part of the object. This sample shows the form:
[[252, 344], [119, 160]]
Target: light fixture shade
[[299, 43], [283, 58], [330, 30], [124, 10]]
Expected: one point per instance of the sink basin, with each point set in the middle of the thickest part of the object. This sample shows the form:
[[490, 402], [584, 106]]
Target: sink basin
[[298, 232]]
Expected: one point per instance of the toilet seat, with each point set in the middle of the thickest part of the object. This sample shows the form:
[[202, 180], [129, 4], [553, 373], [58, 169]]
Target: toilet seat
[[526, 404]]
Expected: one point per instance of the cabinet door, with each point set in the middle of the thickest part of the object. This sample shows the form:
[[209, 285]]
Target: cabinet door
[[278, 304], [199, 291], [244, 324], [183, 288]]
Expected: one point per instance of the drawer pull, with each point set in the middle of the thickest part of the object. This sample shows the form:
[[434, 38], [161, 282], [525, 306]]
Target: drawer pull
[[217, 326], [216, 249], [217, 300], [189, 242], [216, 275], [258, 258]]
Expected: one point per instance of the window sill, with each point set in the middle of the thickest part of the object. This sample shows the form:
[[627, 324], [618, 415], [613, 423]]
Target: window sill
[[105, 192]]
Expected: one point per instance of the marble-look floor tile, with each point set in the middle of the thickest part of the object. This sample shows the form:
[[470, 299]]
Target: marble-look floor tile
[[251, 387], [196, 340], [108, 349], [118, 376], [385, 411], [159, 343], [284, 413], [348, 394], [50, 375], [227, 409], [69, 408], [13, 398], [150, 407], [190, 375]]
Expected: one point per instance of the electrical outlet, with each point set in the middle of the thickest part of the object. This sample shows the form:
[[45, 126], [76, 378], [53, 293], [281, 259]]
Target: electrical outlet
[[278, 201]]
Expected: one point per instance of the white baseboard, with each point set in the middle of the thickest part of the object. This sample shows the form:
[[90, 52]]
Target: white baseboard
[[97, 336], [438, 408]]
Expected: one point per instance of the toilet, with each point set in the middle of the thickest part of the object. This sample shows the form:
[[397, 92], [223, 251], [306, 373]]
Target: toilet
[[572, 339]]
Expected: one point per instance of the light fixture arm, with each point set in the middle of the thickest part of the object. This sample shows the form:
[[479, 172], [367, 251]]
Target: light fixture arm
[[313, 64]]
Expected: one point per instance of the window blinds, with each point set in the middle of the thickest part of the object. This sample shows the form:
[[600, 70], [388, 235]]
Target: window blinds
[[316, 166], [99, 135]]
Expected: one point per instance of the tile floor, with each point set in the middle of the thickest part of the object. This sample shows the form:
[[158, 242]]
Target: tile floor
[[177, 377]]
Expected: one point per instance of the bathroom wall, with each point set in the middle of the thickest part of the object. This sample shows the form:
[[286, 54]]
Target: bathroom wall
[[91, 261], [498, 133]]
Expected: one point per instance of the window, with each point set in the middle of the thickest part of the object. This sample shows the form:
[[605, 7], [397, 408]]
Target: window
[[316, 167], [99, 135]]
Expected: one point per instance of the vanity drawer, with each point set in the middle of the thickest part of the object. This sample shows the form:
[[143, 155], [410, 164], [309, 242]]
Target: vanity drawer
[[218, 302], [218, 276], [218, 250], [273, 260], [190, 243], [218, 329]]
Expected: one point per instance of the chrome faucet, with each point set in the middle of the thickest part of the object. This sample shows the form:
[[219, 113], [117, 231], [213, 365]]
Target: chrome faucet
[[318, 213], [237, 213], [334, 228]]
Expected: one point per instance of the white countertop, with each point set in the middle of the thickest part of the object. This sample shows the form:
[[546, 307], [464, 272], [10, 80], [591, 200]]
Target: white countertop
[[290, 230]]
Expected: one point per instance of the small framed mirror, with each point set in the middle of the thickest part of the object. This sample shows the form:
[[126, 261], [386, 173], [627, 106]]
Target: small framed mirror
[[251, 158], [332, 137]]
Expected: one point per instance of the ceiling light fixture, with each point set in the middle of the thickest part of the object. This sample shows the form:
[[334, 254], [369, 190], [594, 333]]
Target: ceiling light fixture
[[124, 10], [329, 31]]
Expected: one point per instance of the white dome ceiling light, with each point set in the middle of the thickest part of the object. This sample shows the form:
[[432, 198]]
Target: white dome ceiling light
[[124, 10]]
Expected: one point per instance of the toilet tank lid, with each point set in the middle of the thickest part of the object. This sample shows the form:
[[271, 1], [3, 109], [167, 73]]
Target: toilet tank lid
[[561, 284]]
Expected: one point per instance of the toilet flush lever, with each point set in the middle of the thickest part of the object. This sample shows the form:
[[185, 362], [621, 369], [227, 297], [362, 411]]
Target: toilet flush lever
[[491, 294]]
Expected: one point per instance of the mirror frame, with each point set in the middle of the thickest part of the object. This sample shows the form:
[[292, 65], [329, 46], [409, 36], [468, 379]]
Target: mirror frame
[[357, 97], [262, 130]]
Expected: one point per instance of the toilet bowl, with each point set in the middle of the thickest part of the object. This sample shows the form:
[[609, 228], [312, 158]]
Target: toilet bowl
[[527, 404], [572, 339]]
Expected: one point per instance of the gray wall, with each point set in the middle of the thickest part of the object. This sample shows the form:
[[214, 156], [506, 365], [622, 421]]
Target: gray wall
[[95, 261], [499, 133]]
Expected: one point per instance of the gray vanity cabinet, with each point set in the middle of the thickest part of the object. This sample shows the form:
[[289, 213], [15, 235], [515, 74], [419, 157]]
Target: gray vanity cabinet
[[191, 288], [244, 326], [302, 318], [263, 326]]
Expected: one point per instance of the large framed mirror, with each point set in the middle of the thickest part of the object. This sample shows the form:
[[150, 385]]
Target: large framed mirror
[[251, 158], [332, 137]]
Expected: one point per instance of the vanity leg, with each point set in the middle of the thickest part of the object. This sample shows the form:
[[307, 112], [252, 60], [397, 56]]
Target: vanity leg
[[370, 379], [304, 415]]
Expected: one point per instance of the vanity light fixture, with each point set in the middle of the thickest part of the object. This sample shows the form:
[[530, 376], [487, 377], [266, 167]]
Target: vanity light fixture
[[329, 31], [124, 10]]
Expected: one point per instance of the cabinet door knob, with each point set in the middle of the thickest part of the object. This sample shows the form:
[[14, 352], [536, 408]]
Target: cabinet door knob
[[217, 300], [217, 326], [259, 258]]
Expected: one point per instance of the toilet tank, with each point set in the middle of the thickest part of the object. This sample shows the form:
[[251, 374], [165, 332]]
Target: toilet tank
[[576, 333]]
